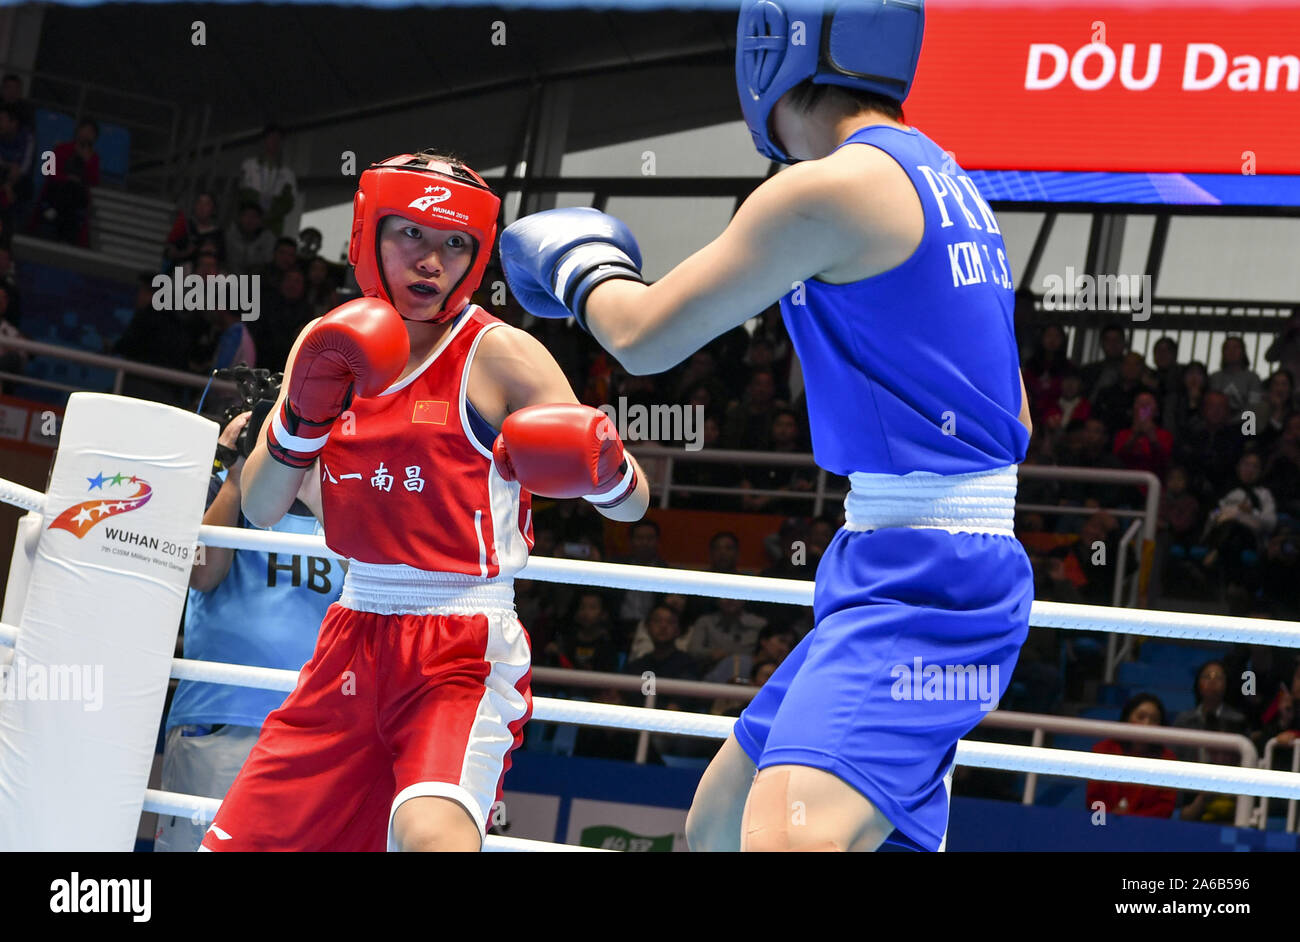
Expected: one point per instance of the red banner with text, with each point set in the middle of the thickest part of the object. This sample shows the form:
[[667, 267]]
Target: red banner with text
[[1112, 86]]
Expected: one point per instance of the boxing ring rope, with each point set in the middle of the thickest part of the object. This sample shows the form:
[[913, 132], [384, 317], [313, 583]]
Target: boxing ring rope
[[1192, 776], [1005, 757]]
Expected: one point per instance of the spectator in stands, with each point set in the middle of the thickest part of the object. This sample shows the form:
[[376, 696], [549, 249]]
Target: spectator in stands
[[1070, 406], [775, 642], [203, 327], [1179, 517], [1235, 379], [235, 344], [249, 244], [309, 243], [285, 312], [1211, 445], [158, 338], [785, 438], [707, 474], [284, 258], [1097, 376], [1091, 448], [322, 287], [1183, 405], [1281, 570], [724, 551], [1146, 801], [244, 607], [635, 604], [11, 360], [11, 93], [728, 630], [748, 422], [699, 370], [1241, 524], [1045, 368], [17, 150], [1281, 474], [199, 231], [665, 659], [584, 643], [268, 182], [1273, 410], [1285, 349], [1088, 563], [1168, 375], [1114, 404], [1213, 715], [1144, 445], [1280, 719], [63, 208]]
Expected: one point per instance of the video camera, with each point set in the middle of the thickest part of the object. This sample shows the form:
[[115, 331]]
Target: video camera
[[258, 390]]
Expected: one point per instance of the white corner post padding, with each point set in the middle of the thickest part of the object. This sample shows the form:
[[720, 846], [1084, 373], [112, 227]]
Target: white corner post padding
[[80, 702]]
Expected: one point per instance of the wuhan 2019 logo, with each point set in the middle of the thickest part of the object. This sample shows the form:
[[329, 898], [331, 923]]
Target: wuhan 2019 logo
[[81, 517]]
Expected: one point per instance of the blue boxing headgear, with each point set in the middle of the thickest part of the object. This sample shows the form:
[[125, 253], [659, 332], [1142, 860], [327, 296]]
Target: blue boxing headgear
[[872, 45]]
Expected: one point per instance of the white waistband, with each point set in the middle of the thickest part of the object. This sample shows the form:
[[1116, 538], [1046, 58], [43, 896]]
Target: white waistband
[[404, 590], [983, 502]]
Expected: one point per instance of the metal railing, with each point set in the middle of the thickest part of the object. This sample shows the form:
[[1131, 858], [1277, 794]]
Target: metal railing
[[1270, 748], [1038, 724], [121, 368]]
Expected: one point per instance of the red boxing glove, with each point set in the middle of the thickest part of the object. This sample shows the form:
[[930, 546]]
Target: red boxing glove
[[565, 450], [360, 347]]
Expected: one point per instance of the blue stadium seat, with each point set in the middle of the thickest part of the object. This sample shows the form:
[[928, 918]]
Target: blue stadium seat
[[114, 147]]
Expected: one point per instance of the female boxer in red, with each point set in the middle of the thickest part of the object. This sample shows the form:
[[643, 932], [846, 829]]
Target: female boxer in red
[[401, 726]]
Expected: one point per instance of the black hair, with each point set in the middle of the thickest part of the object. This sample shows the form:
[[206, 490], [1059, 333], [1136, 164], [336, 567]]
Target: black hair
[[1113, 327], [1166, 340], [644, 522], [12, 110], [89, 123], [12, 77], [721, 534], [1136, 701], [667, 608], [807, 95], [287, 240], [250, 204], [1196, 680]]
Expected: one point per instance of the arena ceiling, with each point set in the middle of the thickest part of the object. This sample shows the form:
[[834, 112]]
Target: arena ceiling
[[308, 67]]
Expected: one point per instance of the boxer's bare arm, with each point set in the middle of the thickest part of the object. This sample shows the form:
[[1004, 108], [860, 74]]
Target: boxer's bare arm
[[792, 228], [270, 487], [1024, 407], [511, 370]]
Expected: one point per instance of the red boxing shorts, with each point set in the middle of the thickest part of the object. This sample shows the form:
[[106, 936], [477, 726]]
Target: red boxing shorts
[[395, 706]]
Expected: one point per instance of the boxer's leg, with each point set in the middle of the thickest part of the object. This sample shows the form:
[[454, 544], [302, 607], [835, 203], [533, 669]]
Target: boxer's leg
[[455, 701], [797, 808], [714, 821]]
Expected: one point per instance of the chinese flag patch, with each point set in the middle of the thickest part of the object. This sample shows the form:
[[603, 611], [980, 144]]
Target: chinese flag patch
[[430, 412]]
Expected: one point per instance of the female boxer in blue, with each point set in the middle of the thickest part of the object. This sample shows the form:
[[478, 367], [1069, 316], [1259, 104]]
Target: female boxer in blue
[[895, 287]]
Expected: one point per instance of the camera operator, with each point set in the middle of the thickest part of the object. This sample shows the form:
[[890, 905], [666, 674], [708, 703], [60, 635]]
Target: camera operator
[[244, 607]]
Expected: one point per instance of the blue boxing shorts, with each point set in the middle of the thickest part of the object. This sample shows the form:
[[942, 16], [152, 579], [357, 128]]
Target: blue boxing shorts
[[916, 636]]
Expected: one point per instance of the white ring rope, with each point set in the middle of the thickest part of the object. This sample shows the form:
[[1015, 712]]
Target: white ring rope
[[1154, 624], [201, 810], [1192, 776]]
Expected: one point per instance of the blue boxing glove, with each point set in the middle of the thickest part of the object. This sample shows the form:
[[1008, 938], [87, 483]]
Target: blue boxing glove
[[553, 259]]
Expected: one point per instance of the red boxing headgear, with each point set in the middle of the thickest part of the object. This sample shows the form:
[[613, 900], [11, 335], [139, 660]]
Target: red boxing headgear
[[431, 193]]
